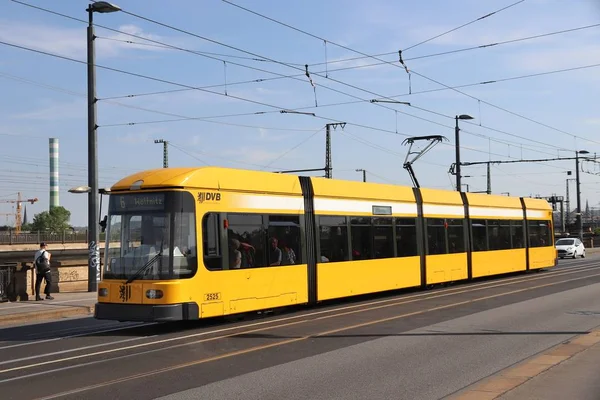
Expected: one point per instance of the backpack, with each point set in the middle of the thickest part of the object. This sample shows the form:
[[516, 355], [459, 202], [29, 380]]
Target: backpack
[[42, 264], [248, 255]]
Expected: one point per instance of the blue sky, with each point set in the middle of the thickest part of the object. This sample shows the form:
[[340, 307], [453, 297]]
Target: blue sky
[[43, 97]]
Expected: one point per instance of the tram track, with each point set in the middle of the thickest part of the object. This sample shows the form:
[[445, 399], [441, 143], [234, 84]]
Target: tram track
[[238, 340], [274, 323], [276, 340]]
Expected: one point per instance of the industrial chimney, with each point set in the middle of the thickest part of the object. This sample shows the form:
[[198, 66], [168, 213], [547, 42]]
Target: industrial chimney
[[53, 172]]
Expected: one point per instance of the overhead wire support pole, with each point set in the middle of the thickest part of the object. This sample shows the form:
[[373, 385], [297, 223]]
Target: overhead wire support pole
[[457, 148], [489, 180], [328, 167], [165, 151], [578, 192], [364, 173]]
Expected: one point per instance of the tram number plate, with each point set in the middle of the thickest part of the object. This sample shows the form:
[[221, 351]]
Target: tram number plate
[[212, 296]]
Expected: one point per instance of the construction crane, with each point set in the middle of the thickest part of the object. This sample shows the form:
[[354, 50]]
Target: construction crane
[[18, 201], [7, 215]]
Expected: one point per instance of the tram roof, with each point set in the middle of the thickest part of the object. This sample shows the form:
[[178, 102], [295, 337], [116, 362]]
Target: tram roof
[[219, 178]]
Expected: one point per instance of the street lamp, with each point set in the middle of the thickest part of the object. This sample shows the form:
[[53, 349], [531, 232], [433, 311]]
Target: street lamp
[[93, 235], [364, 173], [577, 184], [457, 144]]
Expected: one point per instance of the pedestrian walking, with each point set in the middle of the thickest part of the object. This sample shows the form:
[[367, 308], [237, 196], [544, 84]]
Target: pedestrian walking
[[41, 263]]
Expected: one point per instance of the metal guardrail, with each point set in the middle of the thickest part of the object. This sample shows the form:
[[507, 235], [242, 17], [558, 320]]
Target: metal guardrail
[[7, 273], [10, 238], [26, 256]]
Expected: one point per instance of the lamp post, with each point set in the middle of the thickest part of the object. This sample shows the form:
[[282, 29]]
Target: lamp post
[[578, 189], [457, 145], [93, 235], [364, 174]]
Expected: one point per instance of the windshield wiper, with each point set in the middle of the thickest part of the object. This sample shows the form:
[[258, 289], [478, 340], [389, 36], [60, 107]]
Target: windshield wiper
[[145, 267]]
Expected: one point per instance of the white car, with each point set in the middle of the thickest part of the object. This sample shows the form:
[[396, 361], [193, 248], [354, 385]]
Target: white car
[[570, 248]]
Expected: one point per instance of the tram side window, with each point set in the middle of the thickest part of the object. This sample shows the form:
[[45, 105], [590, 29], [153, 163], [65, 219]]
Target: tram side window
[[247, 241], [213, 259], [361, 238], [539, 233], [333, 234], [436, 236], [517, 234], [406, 237], [499, 234], [479, 229], [286, 230], [383, 238], [456, 235]]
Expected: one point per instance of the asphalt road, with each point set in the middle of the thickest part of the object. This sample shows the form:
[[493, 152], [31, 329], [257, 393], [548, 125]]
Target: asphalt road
[[413, 345]]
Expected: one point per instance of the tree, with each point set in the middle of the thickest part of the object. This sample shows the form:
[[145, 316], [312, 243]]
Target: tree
[[54, 221]]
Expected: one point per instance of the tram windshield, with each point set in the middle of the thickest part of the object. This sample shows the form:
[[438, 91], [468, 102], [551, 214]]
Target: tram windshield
[[151, 236]]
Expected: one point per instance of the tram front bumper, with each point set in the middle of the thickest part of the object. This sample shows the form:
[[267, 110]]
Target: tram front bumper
[[147, 312]]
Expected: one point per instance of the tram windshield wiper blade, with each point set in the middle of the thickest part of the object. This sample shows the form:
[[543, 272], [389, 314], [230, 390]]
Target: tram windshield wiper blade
[[145, 267]]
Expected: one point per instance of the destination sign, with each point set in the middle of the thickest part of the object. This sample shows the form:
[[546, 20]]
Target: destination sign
[[137, 202], [382, 210]]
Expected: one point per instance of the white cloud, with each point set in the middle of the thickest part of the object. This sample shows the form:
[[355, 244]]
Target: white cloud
[[71, 42]]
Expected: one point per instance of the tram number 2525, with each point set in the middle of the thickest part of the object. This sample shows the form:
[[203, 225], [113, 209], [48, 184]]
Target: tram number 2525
[[212, 296]]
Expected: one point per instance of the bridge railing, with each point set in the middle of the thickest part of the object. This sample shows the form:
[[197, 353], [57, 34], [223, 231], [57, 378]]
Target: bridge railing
[[10, 238]]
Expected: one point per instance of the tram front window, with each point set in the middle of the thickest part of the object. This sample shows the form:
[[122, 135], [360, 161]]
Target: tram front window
[[151, 236]]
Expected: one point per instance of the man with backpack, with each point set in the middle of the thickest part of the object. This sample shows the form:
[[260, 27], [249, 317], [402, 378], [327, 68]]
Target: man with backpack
[[41, 263]]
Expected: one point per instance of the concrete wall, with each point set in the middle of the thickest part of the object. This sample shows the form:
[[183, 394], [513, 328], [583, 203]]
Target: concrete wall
[[67, 277]]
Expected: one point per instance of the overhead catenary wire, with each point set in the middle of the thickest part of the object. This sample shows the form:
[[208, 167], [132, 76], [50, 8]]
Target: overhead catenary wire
[[462, 26], [279, 157], [412, 71], [191, 88], [217, 93], [165, 81], [347, 48], [329, 70], [271, 106]]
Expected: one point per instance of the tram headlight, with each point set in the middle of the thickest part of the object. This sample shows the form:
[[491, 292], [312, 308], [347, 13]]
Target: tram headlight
[[154, 294], [103, 292]]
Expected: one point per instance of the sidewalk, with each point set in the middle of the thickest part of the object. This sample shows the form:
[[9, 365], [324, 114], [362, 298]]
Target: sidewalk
[[63, 305], [566, 371]]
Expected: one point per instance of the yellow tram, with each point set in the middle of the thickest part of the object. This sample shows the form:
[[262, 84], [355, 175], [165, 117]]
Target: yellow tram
[[190, 243]]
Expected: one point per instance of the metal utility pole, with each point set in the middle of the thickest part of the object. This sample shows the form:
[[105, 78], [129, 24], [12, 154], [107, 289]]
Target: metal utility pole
[[578, 183], [93, 234], [457, 148], [489, 180], [165, 151], [568, 201], [364, 174], [328, 167], [562, 216]]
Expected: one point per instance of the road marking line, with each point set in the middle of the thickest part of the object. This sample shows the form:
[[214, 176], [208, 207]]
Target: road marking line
[[402, 302], [68, 337], [74, 350], [257, 348]]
